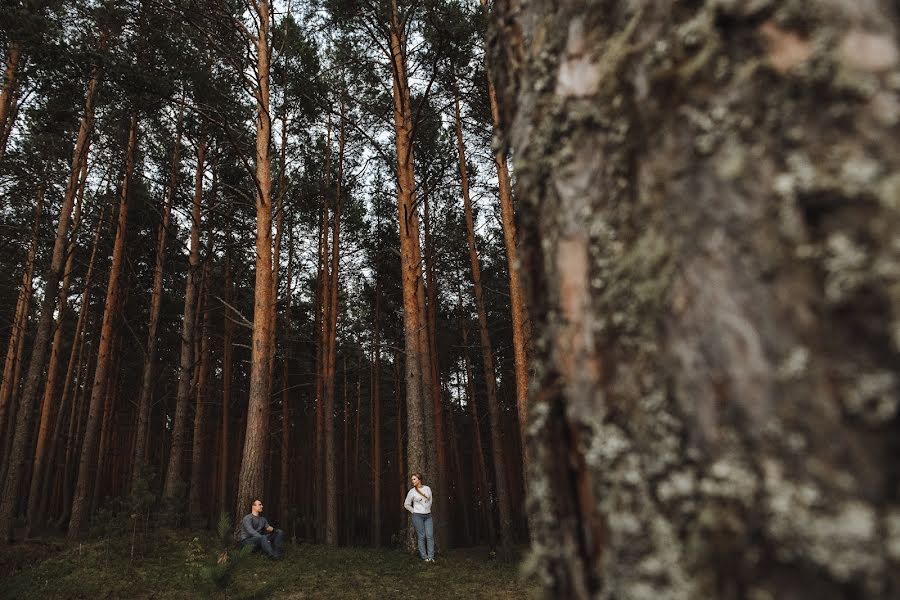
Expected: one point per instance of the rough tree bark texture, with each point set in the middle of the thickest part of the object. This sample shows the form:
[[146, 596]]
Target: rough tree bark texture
[[709, 199]]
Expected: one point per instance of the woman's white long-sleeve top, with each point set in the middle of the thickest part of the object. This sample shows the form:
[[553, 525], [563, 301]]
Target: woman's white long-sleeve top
[[419, 501]]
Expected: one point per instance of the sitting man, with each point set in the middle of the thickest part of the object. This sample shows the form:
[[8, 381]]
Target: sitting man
[[255, 530]]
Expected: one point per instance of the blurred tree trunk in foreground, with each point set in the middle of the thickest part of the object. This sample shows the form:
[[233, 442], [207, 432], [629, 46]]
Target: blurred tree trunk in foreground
[[709, 227]]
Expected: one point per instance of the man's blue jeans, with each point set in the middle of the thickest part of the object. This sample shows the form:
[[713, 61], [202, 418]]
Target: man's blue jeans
[[270, 543], [425, 532]]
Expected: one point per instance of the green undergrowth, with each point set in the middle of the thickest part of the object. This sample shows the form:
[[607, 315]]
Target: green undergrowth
[[178, 565]]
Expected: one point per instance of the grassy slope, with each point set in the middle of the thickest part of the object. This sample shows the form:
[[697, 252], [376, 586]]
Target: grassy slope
[[175, 569]]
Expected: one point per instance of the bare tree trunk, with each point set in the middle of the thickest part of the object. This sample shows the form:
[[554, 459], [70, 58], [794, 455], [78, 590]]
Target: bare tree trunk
[[110, 393], [146, 393], [441, 480], [345, 480], [81, 500], [715, 410], [198, 507], [521, 326], [320, 346], [68, 383], [284, 491], [478, 450], [251, 480], [227, 365], [411, 272], [17, 333], [376, 417], [330, 344], [174, 485], [48, 408], [463, 498], [490, 378], [42, 337], [10, 85], [401, 465]]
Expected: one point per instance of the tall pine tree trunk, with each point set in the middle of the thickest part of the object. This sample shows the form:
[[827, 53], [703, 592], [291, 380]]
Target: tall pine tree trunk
[[376, 416], [10, 86], [251, 480], [521, 327], [227, 366], [198, 506], [708, 212], [481, 476], [330, 345], [17, 331], [174, 484], [42, 336], [81, 499], [487, 355], [441, 480], [68, 384], [411, 271], [106, 418], [284, 496], [49, 401], [146, 394]]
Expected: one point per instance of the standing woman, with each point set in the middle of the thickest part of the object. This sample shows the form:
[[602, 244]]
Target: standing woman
[[418, 502]]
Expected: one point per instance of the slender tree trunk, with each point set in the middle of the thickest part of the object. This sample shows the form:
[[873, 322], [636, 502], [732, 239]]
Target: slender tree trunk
[[490, 378], [227, 365], [330, 344], [284, 490], [10, 86], [442, 483], [48, 408], [345, 480], [68, 383], [18, 330], [478, 449], [110, 393], [376, 417], [463, 498], [279, 234], [81, 500], [321, 323], [174, 482], [198, 507], [42, 336], [251, 481], [521, 325], [354, 500], [401, 465], [147, 380]]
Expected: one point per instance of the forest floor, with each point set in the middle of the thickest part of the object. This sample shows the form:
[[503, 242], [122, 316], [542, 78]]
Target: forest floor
[[177, 564]]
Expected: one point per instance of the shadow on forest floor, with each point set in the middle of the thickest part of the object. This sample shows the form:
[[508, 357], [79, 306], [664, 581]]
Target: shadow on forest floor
[[174, 565]]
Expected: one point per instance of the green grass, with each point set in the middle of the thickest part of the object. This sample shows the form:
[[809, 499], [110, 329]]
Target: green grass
[[174, 566]]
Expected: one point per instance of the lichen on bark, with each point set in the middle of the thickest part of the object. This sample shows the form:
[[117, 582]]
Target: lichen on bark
[[710, 215]]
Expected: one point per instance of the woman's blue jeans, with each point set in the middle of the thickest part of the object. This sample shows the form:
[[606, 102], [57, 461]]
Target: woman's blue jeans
[[425, 532]]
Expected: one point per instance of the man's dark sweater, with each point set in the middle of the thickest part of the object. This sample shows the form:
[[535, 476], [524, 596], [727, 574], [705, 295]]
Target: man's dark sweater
[[253, 527]]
